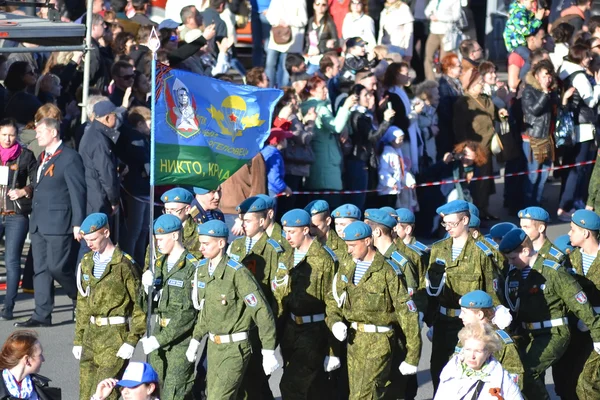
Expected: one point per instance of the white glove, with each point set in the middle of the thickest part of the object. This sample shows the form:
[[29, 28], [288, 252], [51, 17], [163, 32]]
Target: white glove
[[270, 363], [430, 334], [192, 350], [597, 347], [581, 326], [407, 369], [502, 317], [126, 351], [340, 331], [149, 344], [147, 280], [331, 363], [77, 352]]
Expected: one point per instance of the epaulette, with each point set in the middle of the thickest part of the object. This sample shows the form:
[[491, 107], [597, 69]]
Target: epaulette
[[395, 267], [191, 258], [275, 245], [415, 249], [484, 248], [234, 264], [492, 243], [127, 256], [551, 264], [504, 336], [194, 211], [399, 259], [422, 247], [203, 262], [331, 253], [556, 253]]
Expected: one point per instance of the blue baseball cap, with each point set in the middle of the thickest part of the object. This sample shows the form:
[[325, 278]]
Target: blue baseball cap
[[295, 218], [105, 107], [347, 211], [586, 219], [177, 195], [405, 216], [535, 213], [453, 207], [166, 224], [357, 230], [214, 228], [316, 207], [476, 299], [93, 223], [512, 240], [563, 243], [501, 229], [138, 373], [380, 216]]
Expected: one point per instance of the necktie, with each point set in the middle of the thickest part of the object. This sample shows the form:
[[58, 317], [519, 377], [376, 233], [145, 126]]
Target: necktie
[[47, 157]]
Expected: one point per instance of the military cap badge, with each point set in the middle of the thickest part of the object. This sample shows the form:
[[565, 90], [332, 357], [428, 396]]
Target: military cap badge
[[582, 221], [93, 228], [284, 223], [298, 221], [160, 230], [176, 198], [212, 232], [166, 199], [356, 234]]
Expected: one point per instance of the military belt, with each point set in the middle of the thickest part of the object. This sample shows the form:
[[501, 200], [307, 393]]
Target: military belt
[[307, 319], [532, 326], [450, 312], [234, 337], [369, 328], [102, 321]]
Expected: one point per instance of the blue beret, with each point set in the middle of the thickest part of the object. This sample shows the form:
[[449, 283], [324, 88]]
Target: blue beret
[[214, 228], [252, 204], [563, 242], [93, 222], [586, 219], [536, 213], [474, 221], [512, 240], [405, 216], [270, 200], [501, 229], [347, 211], [199, 190], [356, 231], [177, 195], [476, 299], [390, 211], [473, 210], [295, 218], [166, 224], [317, 207], [381, 217], [453, 207]]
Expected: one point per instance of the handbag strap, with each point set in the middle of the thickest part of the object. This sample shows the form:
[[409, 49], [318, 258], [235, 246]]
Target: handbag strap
[[478, 386], [16, 174]]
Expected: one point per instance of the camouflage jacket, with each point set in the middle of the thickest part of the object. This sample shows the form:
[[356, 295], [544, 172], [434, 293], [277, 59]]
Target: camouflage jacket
[[593, 199], [231, 301], [190, 242], [380, 298], [338, 246], [410, 275], [590, 282], [115, 294], [278, 235]]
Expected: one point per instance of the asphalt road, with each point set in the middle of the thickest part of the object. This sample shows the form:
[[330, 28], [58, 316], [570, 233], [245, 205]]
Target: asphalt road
[[57, 340]]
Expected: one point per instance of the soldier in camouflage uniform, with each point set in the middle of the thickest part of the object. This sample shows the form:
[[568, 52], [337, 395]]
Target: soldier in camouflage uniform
[[273, 229], [498, 231], [458, 265], [108, 281], [499, 259], [477, 307], [320, 228], [231, 304], [593, 200], [344, 215], [172, 280], [368, 293], [301, 285], [534, 221], [541, 294]]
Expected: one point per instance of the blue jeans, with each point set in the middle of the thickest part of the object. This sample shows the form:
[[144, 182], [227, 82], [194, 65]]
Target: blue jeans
[[14, 228], [275, 70], [138, 220], [534, 186], [576, 183], [260, 37], [357, 178]]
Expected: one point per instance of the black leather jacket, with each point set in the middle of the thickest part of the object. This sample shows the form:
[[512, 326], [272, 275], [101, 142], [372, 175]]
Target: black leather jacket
[[20, 170], [364, 137], [539, 109], [582, 114]]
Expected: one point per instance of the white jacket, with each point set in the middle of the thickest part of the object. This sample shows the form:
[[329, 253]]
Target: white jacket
[[447, 13], [392, 172], [293, 12], [454, 387], [363, 27], [557, 57], [396, 29]]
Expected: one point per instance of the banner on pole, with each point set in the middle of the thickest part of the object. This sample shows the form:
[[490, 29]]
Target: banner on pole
[[206, 129]]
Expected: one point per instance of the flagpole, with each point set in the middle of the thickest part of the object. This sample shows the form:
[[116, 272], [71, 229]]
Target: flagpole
[[154, 45]]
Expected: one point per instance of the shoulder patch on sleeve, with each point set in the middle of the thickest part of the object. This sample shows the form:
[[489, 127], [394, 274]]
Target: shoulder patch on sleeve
[[127, 256], [415, 249], [421, 247], [395, 267], [551, 264], [504, 336], [492, 243], [556, 253], [191, 258], [483, 247], [331, 253], [234, 264], [275, 245], [399, 259]]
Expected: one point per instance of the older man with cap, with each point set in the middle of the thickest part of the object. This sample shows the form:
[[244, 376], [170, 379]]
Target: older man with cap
[[368, 293], [110, 320], [542, 295], [232, 307], [302, 283], [320, 228], [172, 279], [458, 265], [205, 206], [534, 221]]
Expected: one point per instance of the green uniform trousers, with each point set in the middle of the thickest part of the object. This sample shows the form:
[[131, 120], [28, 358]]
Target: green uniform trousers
[[567, 370], [255, 384], [227, 364], [443, 345], [369, 364], [175, 372], [99, 358], [588, 385], [541, 352], [304, 348], [402, 386]]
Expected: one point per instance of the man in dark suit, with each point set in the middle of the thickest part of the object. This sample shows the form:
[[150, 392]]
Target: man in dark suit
[[59, 199]]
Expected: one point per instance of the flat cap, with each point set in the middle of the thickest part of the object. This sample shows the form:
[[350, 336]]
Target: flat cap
[[512, 240], [214, 228], [563, 243], [317, 207], [295, 218], [453, 207], [501, 229], [166, 224], [586, 219], [535, 213], [93, 223], [105, 107], [177, 195], [252, 204], [380, 216], [476, 299], [347, 211], [357, 230], [405, 216]]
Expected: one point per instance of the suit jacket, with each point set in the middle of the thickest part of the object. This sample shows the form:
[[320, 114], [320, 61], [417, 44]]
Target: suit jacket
[[59, 196]]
